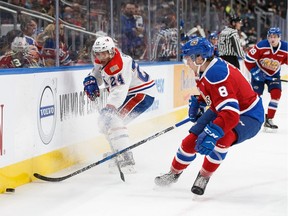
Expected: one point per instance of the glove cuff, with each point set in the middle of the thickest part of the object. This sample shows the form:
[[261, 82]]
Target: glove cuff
[[215, 131]]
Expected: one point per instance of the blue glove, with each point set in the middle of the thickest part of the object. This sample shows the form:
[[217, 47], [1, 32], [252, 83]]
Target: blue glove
[[257, 74], [196, 109], [91, 87], [207, 139]]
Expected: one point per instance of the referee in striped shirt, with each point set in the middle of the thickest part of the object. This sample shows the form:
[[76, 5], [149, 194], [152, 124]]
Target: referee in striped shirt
[[229, 42]]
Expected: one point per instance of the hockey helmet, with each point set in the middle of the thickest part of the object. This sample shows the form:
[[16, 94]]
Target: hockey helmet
[[19, 44], [275, 31], [235, 19], [102, 44], [198, 46], [213, 35]]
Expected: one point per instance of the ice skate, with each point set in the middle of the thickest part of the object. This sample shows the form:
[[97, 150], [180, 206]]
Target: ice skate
[[167, 179], [127, 163], [200, 184], [269, 126], [125, 160]]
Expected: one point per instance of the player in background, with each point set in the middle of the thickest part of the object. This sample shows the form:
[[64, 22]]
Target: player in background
[[213, 38], [235, 114], [264, 62], [131, 92], [229, 46]]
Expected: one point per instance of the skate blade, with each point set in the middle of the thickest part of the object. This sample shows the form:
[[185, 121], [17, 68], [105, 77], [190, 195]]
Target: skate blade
[[198, 198], [129, 169], [125, 170], [269, 130]]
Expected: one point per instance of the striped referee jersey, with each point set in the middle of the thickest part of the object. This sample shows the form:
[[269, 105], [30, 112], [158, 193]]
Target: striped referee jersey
[[229, 43]]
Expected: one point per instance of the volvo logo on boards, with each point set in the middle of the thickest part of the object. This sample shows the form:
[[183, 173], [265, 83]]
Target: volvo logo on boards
[[46, 112]]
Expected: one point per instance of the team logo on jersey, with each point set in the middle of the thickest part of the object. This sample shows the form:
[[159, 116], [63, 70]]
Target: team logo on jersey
[[194, 42], [46, 112], [208, 100], [270, 64]]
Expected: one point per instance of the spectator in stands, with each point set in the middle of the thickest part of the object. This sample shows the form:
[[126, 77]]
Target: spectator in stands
[[18, 53], [28, 26], [78, 18], [47, 41], [140, 46], [84, 55], [67, 14], [165, 42], [129, 35]]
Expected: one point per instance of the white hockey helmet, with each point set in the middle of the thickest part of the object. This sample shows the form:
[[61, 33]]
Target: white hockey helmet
[[19, 44], [103, 44]]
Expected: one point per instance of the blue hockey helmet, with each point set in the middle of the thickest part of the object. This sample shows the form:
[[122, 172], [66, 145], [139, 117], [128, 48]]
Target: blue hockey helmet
[[198, 46], [213, 35], [275, 31]]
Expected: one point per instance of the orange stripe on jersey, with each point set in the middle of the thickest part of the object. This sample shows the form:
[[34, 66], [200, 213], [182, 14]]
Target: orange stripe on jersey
[[131, 104]]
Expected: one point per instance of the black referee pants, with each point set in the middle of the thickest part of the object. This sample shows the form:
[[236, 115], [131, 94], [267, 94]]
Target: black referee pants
[[232, 60]]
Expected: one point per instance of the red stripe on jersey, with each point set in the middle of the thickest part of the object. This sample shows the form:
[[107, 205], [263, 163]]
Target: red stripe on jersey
[[131, 104], [141, 86]]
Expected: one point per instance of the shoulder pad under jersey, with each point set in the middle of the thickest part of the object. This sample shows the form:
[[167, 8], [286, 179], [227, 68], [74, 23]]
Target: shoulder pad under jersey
[[284, 46], [218, 72], [263, 44]]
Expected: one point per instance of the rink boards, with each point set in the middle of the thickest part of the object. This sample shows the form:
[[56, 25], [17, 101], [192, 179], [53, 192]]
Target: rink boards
[[48, 123]]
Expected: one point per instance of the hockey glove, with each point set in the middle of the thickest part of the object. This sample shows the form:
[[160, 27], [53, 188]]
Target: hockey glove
[[196, 109], [207, 139], [91, 87], [257, 74]]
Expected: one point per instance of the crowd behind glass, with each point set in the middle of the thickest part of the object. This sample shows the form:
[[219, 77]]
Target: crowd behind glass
[[147, 30]]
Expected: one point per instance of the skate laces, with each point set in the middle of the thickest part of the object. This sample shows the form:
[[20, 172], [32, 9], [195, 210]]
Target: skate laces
[[270, 121], [167, 178], [270, 124], [201, 181]]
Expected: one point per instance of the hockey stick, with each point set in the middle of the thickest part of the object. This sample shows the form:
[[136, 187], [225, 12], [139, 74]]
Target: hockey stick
[[277, 79], [118, 164], [98, 102], [58, 179]]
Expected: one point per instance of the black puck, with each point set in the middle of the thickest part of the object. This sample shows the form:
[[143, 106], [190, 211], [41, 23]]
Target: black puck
[[10, 190]]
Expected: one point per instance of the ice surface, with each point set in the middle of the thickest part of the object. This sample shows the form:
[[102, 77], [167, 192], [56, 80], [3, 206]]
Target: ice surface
[[252, 181]]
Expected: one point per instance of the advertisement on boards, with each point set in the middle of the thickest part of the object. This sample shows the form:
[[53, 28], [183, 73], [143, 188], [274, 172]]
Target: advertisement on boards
[[184, 85]]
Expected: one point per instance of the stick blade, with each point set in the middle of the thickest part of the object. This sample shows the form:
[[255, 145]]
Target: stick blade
[[49, 179], [122, 176]]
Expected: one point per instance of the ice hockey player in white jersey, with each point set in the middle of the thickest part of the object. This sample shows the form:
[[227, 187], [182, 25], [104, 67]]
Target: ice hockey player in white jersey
[[131, 92]]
